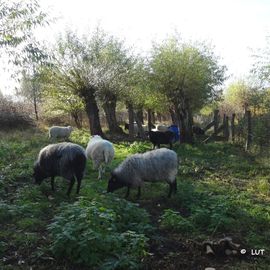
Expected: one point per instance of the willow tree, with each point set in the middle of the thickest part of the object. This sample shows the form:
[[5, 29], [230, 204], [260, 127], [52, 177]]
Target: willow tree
[[117, 64], [75, 68], [31, 90], [62, 101], [96, 68], [189, 76]]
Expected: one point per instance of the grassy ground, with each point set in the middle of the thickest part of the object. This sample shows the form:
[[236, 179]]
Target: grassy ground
[[222, 191]]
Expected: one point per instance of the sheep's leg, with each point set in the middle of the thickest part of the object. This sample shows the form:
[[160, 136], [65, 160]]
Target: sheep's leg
[[100, 172], [79, 180], [171, 189], [139, 193], [170, 145], [175, 186], [95, 165], [127, 194], [52, 183], [72, 181]]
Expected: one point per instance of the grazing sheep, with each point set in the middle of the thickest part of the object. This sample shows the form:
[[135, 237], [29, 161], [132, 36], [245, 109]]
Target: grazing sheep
[[160, 127], [62, 159], [60, 132], [161, 137], [136, 129], [153, 166], [197, 130], [101, 152]]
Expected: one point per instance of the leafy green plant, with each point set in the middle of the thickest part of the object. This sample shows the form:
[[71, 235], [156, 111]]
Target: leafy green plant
[[94, 233], [138, 147], [5, 212], [80, 136], [173, 221]]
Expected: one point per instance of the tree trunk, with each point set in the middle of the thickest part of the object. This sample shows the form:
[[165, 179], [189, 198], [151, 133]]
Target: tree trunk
[[249, 135], [130, 120], [140, 116], [139, 124], [226, 132], [109, 108], [185, 122], [173, 117], [153, 118], [35, 106], [92, 112], [216, 121], [233, 127], [77, 119], [159, 117], [149, 119]]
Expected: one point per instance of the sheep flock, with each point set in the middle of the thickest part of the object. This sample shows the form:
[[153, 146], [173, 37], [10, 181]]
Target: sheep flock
[[68, 160]]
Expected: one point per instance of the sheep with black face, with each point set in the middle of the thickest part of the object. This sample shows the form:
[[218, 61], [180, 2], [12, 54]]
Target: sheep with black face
[[161, 137], [153, 166], [62, 159]]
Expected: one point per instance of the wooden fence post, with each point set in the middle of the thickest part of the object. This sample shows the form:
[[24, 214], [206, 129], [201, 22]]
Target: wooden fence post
[[216, 121], [226, 127], [233, 127], [249, 135]]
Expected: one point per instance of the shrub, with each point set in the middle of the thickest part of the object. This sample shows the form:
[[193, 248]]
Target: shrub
[[14, 115], [107, 234], [173, 221]]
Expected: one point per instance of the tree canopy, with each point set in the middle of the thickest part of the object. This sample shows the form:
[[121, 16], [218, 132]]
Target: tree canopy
[[17, 21], [189, 75]]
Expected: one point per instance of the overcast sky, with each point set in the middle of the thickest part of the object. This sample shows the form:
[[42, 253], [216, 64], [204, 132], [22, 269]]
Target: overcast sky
[[234, 27]]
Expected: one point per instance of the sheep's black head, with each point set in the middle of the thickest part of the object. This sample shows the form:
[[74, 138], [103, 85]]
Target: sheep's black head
[[115, 183], [38, 174]]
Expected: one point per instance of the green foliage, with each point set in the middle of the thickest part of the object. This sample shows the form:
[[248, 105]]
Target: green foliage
[[261, 130], [3, 247], [17, 19], [221, 191], [108, 234], [5, 212], [238, 95], [138, 147], [80, 136], [184, 71], [174, 221], [207, 213]]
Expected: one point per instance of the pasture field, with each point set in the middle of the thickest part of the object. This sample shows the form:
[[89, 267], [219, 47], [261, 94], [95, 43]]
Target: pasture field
[[222, 192]]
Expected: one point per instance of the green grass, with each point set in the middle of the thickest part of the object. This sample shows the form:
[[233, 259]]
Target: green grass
[[221, 191]]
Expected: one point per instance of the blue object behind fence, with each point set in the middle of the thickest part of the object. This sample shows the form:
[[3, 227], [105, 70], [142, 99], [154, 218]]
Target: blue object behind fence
[[175, 130]]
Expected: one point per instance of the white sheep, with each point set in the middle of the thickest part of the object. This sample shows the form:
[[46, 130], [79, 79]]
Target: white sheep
[[101, 152], [153, 166], [60, 132]]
